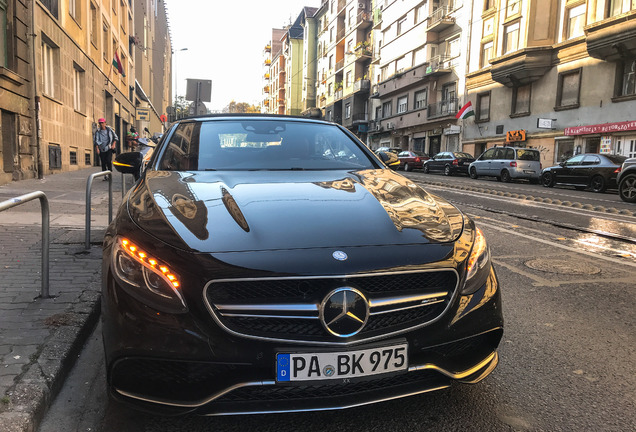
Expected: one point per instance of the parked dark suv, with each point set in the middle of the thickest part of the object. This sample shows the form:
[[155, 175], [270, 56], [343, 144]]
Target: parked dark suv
[[274, 264], [627, 181], [590, 170]]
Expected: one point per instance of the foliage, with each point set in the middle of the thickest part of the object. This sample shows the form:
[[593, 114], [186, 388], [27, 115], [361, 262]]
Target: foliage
[[241, 107]]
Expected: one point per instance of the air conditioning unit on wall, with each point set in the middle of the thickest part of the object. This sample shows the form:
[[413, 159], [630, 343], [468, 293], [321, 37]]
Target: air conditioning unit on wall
[[390, 125], [361, 6], [378, 127]]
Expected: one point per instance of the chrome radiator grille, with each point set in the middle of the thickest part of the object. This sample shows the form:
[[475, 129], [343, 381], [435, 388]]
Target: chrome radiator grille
[[289, 308]]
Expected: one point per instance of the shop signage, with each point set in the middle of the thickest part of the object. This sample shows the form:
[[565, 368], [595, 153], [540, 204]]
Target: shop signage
[[143, 114], [516, 136], [452, 130], [601, 128], [544, 123], [606, 144]]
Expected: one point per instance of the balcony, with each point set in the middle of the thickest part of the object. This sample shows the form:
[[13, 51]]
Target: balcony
[[440, 20], [362, 85], [445, 108], [360, 118], [268, 62], [266, 76], [522, 67], [339, 65], [439, 65], [377, 17], [364, 20], [268, 48], [338, 94], [613, 38], [266, 102], [266, 89]]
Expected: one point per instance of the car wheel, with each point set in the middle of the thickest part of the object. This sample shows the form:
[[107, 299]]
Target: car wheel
[[426, 169], [547, 179], [407, 167], [473, 173], [447, 170], [598, 184], [627, 188], [505, 176]]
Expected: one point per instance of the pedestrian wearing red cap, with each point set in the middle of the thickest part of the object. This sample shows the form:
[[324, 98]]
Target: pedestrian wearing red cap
[[105, 139]]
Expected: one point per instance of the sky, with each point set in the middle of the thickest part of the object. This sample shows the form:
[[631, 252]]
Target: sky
[[225, 41]]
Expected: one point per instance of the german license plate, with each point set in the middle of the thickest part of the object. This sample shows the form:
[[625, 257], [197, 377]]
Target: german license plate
[[338, 365]]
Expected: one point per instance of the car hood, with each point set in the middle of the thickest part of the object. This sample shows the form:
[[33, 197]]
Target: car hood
[[231, 211]]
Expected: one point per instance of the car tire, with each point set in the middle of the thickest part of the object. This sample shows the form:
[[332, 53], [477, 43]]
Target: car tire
[[473, 173], [407, 167], [598, 184], [426, 169], [447, 170], [627, 188], [505, 176], [548, 179]]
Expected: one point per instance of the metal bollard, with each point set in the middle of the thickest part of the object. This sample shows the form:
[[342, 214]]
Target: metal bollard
[[89, 185], [44, 204]]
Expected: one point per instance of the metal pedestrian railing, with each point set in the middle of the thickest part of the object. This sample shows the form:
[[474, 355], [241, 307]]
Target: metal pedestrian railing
[[89, 186], [44, 204]]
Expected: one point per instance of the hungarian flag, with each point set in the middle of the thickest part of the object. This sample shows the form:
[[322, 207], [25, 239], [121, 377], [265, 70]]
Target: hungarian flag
[[117, 64], [466, 111]]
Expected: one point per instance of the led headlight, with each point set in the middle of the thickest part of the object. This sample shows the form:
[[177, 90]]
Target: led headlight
[[147, 278], [477, 264]]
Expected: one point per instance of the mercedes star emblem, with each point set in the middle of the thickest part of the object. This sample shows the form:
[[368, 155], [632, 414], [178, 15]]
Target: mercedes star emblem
[[344, 312], [339, 255]]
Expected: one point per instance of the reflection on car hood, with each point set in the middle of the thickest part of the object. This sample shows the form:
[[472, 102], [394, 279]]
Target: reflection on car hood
[[272, 210]]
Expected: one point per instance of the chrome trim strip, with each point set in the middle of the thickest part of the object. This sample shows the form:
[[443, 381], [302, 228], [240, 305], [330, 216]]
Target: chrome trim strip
[[493, 357], [390, 301], [407, 307], [218, 321], [299, 307], [238, 315]]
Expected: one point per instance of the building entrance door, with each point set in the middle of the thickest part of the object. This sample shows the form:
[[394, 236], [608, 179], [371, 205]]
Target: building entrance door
[[626, 146], [434, 145], [8, 141]]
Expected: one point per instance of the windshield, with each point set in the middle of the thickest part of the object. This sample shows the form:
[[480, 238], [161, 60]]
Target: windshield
[[262, 144]]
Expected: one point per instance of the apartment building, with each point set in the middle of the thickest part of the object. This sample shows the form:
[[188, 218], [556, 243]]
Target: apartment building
[[274, 75], [92, 59], [420, 62], [17, 121], [293, 53], [310, 59], [556, 75], [344, 58]]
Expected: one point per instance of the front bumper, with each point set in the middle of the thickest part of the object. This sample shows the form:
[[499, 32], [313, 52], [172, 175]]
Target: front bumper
[[186, 363]]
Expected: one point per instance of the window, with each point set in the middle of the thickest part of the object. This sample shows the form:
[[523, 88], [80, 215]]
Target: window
[[489, 4], [401, 25], [626, 82], [49, 54], [51, 5], [486, 54], [386, 110], [574, 21], [348, 110], [78, 88], [73, 157], [330, 89], [352, 16], [4, 57], [105, 39], [617, 7], [421, 12], [419, 56], [521, 100], [404, 63], [94, 25], [87, 158], [420, 99], [331, 34], [350, 46], [402, 104], [378, 113], [74, 9], [568, 89], [348, 79], [452, 47], [511, 39], [483, 107], [331, 61]]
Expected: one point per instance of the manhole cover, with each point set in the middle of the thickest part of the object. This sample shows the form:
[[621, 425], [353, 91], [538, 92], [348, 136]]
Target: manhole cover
[[562, 267]]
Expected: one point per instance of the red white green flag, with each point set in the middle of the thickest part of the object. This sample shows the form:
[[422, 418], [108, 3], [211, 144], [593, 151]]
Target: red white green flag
[[117, 64], [466, 111]]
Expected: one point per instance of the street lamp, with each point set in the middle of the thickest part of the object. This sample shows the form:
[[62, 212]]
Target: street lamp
[[176, 80]]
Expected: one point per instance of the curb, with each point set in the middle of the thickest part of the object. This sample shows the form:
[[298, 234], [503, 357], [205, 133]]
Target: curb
[[576, 205], [41, 382]]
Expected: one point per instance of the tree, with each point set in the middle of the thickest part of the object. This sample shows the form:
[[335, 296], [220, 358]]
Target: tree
[[241, 107], [182, 106]]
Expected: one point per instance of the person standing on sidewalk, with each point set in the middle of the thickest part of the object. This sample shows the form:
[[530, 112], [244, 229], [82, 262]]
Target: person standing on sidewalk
[[105, 140]]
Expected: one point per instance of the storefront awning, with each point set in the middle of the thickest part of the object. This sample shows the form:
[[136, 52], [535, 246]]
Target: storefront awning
[[601, 128]]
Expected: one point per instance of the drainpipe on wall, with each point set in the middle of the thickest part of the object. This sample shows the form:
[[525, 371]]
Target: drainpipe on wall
[[36, 99]]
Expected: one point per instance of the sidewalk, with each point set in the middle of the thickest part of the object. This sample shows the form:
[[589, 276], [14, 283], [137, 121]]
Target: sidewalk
[[41, 338]]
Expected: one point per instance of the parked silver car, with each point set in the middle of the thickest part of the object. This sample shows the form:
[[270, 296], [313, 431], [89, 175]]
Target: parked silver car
[[507, 163]]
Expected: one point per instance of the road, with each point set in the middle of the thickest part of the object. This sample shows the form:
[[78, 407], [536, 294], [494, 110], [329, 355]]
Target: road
[[567, 357]]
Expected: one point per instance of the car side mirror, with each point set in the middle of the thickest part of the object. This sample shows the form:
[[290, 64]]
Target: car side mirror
[[128, 163], [562, 163], [390, 159]]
